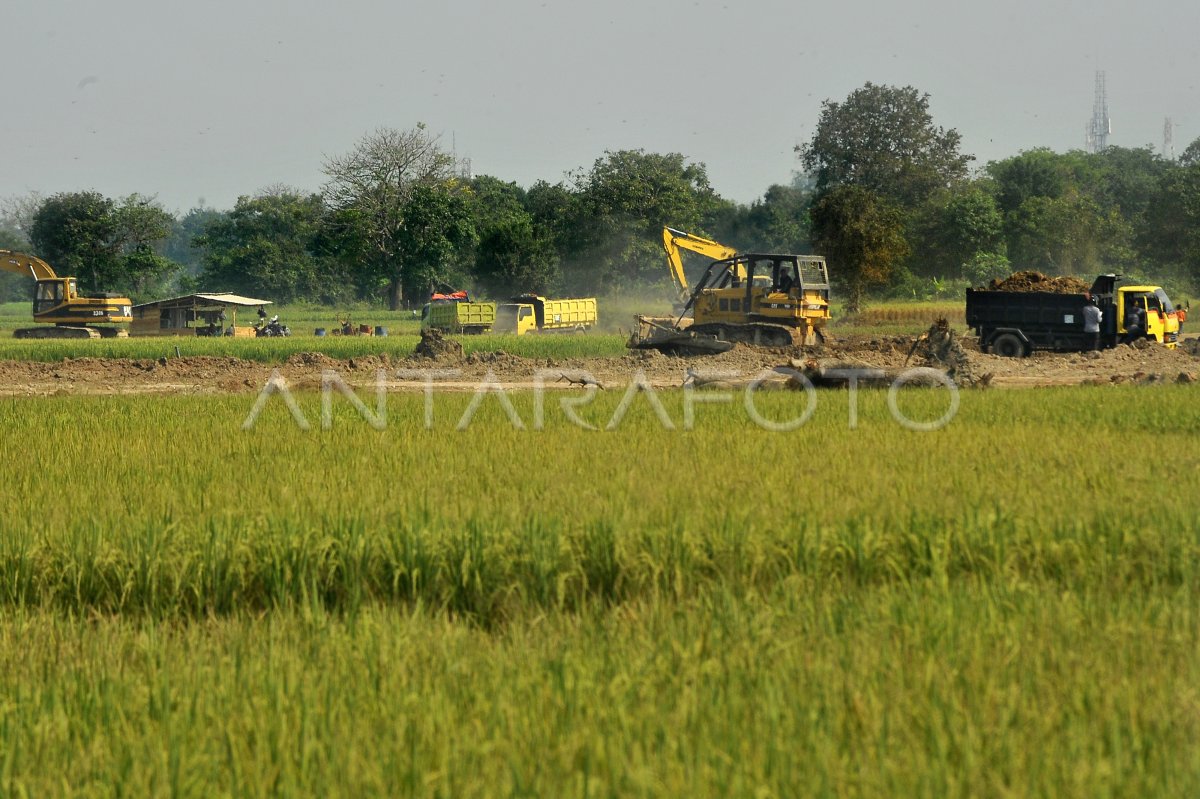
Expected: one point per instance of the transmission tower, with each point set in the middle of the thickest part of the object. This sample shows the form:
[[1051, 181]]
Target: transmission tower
[[1101, 124], [1168, 139], [462, 164]]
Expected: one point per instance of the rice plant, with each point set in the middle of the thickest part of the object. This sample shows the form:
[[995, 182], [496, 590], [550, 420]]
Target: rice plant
[[1000, 607]]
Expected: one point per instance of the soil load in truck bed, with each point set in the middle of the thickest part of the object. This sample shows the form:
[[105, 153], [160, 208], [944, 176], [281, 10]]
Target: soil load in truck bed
[[1036, 281]]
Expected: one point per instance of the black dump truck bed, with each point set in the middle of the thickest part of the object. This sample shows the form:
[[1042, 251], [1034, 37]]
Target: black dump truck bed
[[1017, 322]]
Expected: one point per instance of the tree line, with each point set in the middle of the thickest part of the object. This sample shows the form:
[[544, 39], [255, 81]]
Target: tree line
[[886, 194]]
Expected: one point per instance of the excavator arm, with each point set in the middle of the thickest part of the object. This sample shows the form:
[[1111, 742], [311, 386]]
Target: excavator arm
[[675, 241], [28, 265]]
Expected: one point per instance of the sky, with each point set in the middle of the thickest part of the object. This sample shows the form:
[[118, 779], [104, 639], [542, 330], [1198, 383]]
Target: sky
[[199, 103]]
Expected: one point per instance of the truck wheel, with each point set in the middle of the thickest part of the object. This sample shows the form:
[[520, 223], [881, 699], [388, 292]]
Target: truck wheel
[[1007, 345]]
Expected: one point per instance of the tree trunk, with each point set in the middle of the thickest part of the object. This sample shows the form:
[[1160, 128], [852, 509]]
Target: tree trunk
[[395, 294], [854, 297]]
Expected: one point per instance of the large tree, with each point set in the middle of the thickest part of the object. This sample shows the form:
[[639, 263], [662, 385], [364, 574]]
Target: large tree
[[373, 188], [106, 244], [862, 235], [438, 231], [268, 246], [514, 254], [1034, 173], [882, 138], [613, 237], [953, 228], [776, 222], [1170, 233], [1073, 212], [76, 233], [143, 227]]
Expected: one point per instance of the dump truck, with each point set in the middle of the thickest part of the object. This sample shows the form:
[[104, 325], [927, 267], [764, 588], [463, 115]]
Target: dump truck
[[530, 313], [1015, 323], [458, 315]]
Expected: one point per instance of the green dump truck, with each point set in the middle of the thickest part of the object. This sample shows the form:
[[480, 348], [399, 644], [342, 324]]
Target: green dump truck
[[458, 316]]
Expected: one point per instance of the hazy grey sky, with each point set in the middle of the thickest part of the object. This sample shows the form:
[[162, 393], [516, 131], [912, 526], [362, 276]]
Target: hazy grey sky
[[220, 98]]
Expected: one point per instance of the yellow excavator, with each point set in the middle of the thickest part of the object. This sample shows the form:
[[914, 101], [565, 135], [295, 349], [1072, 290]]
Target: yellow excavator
[[768, 299], [57, 302]]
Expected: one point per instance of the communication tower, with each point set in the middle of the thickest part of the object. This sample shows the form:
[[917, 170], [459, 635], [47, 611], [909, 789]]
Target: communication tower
[[1100, 125], [1168, 151]]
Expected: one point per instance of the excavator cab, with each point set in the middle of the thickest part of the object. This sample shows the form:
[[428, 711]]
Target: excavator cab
[[48, 295]]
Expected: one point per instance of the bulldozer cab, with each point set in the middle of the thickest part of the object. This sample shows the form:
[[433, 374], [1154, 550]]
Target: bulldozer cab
[[784, 289]]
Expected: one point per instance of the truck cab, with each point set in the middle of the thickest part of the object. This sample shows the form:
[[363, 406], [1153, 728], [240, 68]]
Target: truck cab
[[1163, 320], [516, 317]]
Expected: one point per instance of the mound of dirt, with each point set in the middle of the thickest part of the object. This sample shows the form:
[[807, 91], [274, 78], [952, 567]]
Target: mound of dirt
[[313, 360], [939, 348], [433, 345], [500, 360], [1036, 281]]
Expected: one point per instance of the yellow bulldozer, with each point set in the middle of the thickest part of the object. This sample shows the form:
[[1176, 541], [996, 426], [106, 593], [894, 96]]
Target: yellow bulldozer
[[57, 302], [766, 299]]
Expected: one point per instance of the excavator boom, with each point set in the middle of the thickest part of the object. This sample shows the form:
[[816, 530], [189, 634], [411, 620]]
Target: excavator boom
[[28, 265], [674, 241]]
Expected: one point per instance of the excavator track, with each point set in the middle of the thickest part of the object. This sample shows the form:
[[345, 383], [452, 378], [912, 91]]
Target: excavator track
[[69, 332]]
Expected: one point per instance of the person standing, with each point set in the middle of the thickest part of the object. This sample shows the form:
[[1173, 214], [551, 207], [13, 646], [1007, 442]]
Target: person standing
[[1092, 316]]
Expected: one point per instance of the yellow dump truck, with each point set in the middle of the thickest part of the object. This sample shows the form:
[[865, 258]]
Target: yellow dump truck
[[459, 316], [530, 313]]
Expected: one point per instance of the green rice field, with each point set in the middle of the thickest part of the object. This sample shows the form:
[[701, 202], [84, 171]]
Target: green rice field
[[1001, 607]]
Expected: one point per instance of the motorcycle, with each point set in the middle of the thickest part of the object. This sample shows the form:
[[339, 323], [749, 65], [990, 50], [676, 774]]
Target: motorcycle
[[272, 329]]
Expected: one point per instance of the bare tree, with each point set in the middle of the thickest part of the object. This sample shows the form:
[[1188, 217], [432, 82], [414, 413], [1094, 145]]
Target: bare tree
[[17, 212], [376, 182]]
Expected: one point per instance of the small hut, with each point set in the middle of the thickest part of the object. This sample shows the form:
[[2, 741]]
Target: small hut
[[206, 314]]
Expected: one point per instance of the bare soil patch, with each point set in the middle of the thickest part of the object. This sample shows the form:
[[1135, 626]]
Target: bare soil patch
[[939, 348]]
